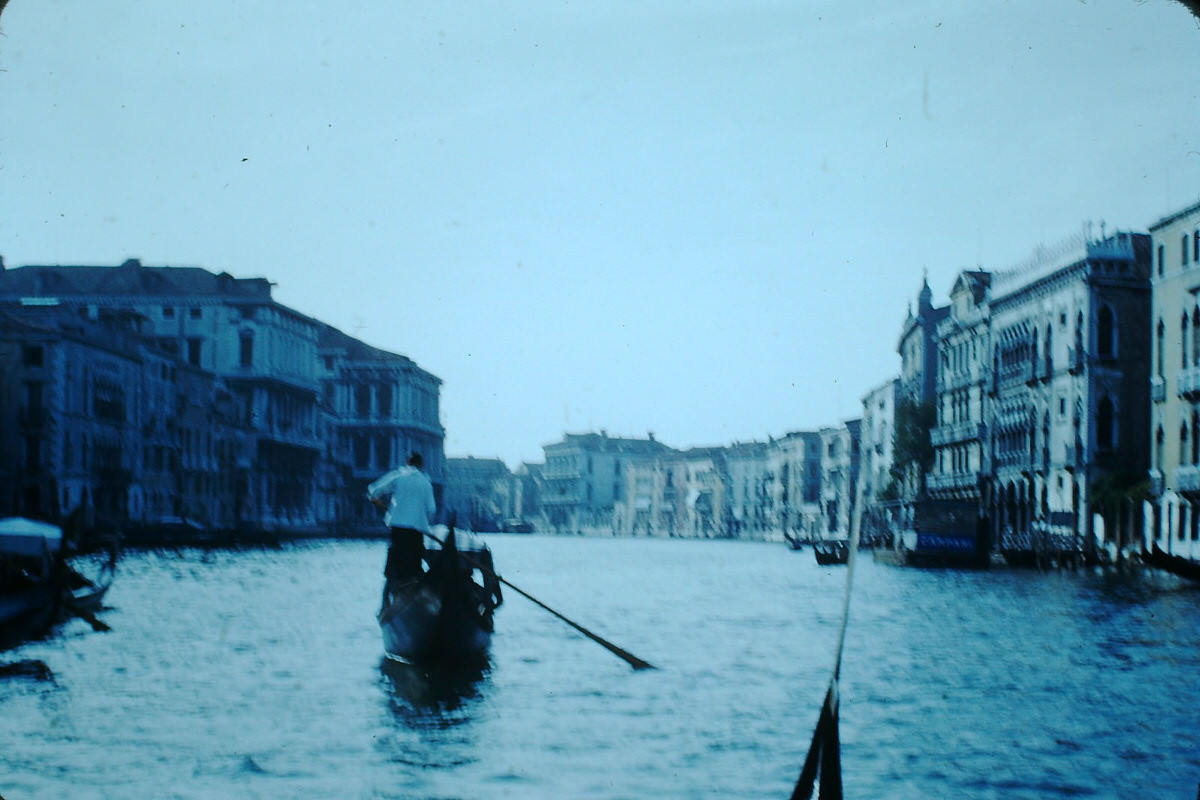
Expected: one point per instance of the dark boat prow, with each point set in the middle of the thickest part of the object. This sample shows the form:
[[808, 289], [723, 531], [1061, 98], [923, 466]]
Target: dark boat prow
[[1169, 562]]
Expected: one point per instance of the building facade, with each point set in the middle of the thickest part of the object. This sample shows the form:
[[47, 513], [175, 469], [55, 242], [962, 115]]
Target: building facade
[[1173, 513], [1068, 393], [235, 400], [877, 439]]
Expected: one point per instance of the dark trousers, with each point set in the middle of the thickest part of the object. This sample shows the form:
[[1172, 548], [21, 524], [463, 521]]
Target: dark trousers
[[404, 554]]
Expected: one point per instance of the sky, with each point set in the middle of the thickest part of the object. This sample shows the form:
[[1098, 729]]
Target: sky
[[705, 220]]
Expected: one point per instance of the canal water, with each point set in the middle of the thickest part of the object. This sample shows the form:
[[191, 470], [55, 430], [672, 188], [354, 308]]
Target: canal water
[[258, 674]]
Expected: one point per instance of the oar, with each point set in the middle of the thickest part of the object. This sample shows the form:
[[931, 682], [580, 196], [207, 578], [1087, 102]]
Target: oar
[[629, 658], [86, 616]]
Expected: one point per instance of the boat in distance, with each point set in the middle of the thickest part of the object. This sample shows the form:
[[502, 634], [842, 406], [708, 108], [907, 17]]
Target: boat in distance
[[831, 551], [444, 617]]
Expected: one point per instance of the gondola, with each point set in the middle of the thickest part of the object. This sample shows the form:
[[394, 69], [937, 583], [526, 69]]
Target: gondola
[[444, 616], [41, 582], [831, 551], [1169, 562]]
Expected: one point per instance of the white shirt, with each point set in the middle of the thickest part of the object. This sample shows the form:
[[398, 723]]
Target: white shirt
[[412, 504]]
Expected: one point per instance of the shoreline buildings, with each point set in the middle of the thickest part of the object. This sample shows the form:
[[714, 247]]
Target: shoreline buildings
[[173, 395]]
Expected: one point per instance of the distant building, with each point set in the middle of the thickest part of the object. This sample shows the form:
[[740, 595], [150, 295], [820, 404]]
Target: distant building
[[478, 493], [877, 436], [749, 489], [585, 476], [840, 461], [794, 501]]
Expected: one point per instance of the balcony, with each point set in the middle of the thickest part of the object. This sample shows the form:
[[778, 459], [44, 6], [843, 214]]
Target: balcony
[[952, 481], [1187, 478], [1188, 384], [1158, 389], [957, 432]]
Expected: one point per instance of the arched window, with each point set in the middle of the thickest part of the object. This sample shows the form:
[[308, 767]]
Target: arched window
[[1106, 333], [1195, 439], [1183, 443], [1183, 341], [1160, 339], [1049, 352], [1159, 442], [1106, 425], [1196, 337]]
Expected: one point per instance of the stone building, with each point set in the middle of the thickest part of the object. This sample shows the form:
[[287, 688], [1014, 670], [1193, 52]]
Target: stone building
[[585, 479], [915, 413], [1173, 518], [102, 418], [478, 492], [960, 465], [877, 438], [794, 471], [1068, 391], [383, 408], [293, 420], [840, 461], [749, 490]]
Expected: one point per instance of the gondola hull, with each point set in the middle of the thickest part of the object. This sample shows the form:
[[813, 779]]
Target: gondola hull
[[424, 623], [442, 617]]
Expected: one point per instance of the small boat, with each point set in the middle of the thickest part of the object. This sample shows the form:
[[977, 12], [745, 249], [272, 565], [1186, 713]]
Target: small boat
[[793, 542], [831, 551], [1169, 562], [43, 580], [444, 616]]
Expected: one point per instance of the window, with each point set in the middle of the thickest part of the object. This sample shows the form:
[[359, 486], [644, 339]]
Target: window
[[33, 453], [1160, 339], [168, 312], [193, 351], [1196, 246], [362, 401], [33, 355], [195, 313], [246, 350], [1159, 440], [1195, 439], [1106, 425], [1162, 259], [1106, 333]]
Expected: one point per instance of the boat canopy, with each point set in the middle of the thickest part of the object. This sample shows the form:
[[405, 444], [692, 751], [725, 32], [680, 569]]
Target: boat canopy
[[27, 537]]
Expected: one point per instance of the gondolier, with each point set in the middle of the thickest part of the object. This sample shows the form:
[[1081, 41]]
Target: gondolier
[[409, 507]]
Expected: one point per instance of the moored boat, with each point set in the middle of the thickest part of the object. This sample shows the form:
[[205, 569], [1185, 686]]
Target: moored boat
[[43, 580], [831, 551], [444, 616]]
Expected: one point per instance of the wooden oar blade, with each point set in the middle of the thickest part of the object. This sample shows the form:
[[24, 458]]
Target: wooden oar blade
[[822, 769]]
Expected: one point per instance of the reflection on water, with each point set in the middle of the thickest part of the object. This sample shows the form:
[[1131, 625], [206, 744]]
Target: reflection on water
[[430, 696]]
